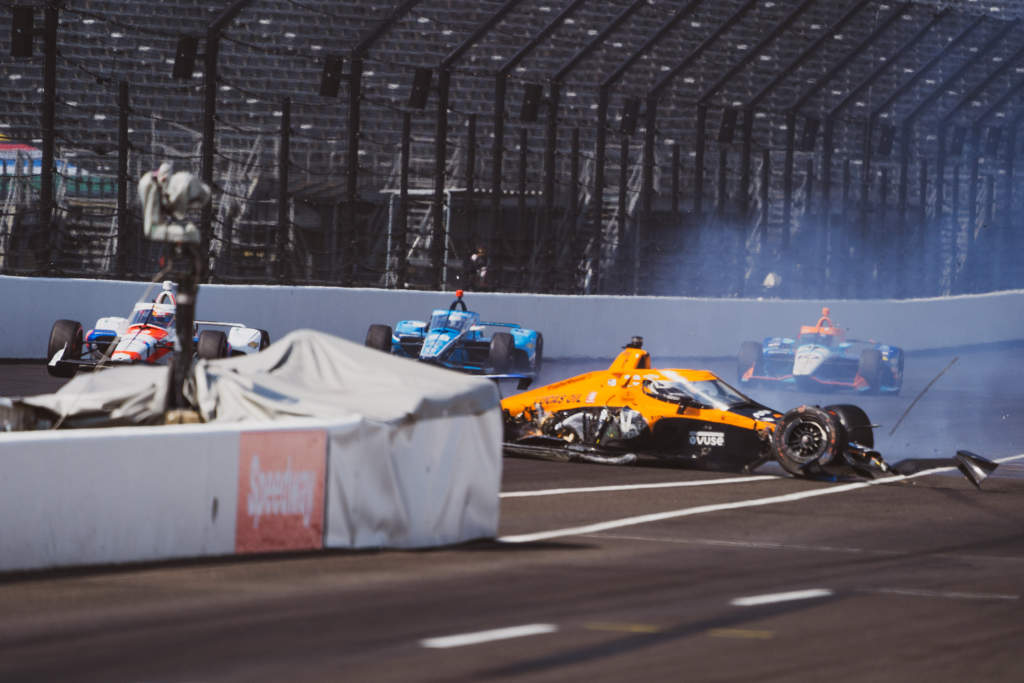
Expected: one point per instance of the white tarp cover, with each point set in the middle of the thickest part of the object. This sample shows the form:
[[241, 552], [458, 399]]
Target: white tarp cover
[[414, 451]]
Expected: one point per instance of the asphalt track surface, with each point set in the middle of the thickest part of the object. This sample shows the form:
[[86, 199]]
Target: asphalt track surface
[[652, 573]]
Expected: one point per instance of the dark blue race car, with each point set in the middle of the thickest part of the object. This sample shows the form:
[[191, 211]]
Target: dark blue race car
[[456, 338]]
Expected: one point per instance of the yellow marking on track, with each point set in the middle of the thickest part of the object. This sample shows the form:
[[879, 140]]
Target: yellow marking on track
[[628, 628], [743, 633]]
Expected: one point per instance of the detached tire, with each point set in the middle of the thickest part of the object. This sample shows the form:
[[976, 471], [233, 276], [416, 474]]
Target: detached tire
[[870, 368], [855, 422], [750, 357], [502, 352], [212, 344], [806, 439], [379, 337], [65, 333]]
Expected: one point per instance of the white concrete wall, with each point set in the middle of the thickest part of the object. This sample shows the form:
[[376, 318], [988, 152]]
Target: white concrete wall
[[116, 495], [581, 327]]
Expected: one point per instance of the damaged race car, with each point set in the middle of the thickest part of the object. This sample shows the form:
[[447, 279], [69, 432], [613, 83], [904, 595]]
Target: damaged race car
[[821, 358], [147, 336], [693, 418], [457, 339]]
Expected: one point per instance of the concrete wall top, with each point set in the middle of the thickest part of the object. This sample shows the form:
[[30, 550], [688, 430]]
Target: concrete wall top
[[573, 326]]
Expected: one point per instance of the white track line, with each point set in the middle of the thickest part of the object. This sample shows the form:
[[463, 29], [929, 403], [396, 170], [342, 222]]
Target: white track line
[[461, 639], [951, 595], [770, 598], [634, 487], [719, 507]]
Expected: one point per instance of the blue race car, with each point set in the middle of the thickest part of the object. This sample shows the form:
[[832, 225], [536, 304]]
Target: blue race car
[[456, 338], [821, 358]]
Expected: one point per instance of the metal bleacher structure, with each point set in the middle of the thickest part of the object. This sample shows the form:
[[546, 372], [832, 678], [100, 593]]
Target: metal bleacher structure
[[797, 148]]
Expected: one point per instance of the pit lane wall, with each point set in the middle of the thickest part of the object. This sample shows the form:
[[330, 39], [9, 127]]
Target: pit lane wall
[[133, 494], [573, 326]]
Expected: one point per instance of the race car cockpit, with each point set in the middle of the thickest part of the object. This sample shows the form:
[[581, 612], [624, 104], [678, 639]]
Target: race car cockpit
[[709, 393]]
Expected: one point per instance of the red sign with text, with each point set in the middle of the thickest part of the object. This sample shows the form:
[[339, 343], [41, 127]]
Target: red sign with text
[[281, 491]]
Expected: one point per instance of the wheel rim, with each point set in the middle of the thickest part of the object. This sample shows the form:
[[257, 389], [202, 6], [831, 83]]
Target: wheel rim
[[804, 441]]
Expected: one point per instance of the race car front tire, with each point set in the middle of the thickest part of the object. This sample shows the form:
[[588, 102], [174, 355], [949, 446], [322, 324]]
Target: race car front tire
[[64, 333], [379, 337], [750, 357], [806, 439], [212, 344], [870, 368], [501, 352], [264, 339]]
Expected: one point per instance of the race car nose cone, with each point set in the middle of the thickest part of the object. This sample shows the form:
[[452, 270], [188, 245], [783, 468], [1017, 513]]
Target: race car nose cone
[[974, 467]]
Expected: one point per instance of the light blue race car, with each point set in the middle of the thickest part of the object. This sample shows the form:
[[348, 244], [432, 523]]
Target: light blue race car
[[456, 338], [822, 359]]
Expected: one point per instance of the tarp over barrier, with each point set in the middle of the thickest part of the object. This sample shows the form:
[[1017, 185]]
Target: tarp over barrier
[[409, 456]]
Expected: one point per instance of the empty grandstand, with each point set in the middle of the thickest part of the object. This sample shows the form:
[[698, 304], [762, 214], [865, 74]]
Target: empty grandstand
[[676, 147]]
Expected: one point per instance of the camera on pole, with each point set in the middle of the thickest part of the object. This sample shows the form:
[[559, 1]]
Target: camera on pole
[[167, 197]]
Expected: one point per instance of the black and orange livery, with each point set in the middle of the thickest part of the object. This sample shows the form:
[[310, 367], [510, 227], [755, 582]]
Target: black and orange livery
[[692, 417]]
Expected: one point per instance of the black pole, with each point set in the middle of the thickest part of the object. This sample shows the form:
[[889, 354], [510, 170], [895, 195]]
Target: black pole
[[675, 179], [623, 179], [524, 245], [209, 131], [400, 239], [283, 162], [598, 196], [573, 207], [698, 161], [123, 240], [495, 260], [550, 149], [352, 171], [787, 177], [46, 194], [748, 143], [437, 245], [474, 232]]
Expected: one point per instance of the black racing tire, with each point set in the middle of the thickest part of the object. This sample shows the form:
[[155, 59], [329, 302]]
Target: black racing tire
[[750, 357], [212, 344], [856, 423], [65, 333], [870, 368], [379, 337], [502, 352], [807, 438], [264, 339], [538, 356]]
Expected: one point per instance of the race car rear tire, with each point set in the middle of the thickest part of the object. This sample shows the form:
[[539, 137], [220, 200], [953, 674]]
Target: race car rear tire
[[264, 339], [750, 357], [69, 333], [870, 368], [379, 337], [212, 344], [856, 423], [501, 352], [806, 439]]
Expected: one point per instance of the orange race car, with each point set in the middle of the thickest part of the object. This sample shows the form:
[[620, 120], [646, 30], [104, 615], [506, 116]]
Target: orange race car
[[632, 410]]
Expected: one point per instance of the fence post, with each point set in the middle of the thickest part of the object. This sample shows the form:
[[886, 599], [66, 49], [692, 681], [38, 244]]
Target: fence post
[[123, 239], [283, 162]]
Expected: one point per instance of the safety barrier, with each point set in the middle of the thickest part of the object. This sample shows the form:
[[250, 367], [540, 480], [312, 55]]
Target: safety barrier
[[573, 327], [133, 494]]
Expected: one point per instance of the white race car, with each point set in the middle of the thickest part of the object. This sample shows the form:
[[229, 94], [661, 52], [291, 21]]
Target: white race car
[[147, 336]]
